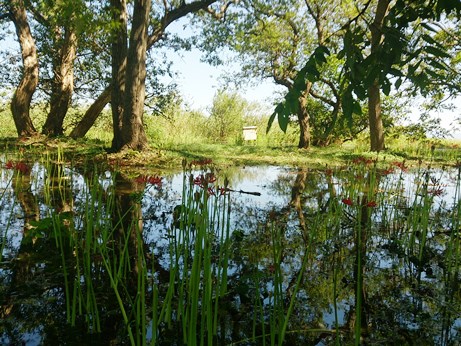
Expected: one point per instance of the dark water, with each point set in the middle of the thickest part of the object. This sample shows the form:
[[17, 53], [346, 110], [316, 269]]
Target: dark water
[[351, 256]]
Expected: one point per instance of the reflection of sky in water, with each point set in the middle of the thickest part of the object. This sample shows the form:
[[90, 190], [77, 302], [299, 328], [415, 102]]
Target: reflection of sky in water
[[273, 183]]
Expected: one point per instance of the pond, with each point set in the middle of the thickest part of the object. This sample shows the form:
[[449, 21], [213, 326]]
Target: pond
[[229, 255]]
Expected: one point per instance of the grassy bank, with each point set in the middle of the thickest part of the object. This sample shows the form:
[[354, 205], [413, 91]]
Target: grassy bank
[[413, 153]]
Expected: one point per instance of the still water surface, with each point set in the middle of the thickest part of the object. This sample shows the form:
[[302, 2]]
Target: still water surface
[[344, 255]]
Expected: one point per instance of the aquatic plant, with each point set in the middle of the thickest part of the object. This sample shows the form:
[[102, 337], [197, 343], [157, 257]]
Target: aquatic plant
[[367, 252]]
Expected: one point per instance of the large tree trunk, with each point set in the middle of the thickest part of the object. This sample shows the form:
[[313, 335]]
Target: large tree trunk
[[374, 100], [157, 33], [63, 85], [133, 134], [20, 104], [91, 115], [303, 120], [374, 118], [119, 61]]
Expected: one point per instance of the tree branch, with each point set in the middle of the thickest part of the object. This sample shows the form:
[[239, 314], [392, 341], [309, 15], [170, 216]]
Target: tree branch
[[170, 16], [221, 14]]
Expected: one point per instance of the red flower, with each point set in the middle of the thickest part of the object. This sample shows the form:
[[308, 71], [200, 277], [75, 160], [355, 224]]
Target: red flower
[[210, 177], [199, 180], [222, 190], [329, 172], [390, 170], [400, 165], [22, 167], [155, 180], [347, 201], [371, 204], [211, 192], [9, 165], [435, 191], [358, 160]]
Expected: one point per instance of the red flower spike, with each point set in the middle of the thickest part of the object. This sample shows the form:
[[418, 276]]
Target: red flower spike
[[155, 180], [22, 167], [9, 165], [347, 201], [371, 204]]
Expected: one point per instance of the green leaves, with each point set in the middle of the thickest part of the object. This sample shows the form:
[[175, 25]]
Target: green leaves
[[309, 73]]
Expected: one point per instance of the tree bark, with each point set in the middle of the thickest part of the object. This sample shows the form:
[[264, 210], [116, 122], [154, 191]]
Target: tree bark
[[374, 99], [171, 16], [303, 120], [133, 134], [119, 61], [20, 104], [374, 118], [63, 85], [91, 115]]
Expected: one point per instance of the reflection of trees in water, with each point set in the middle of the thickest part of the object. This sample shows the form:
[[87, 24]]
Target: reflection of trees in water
[[354, 263], [345, 241]]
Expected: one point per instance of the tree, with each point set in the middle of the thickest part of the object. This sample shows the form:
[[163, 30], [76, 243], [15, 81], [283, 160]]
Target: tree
[[132, 133], [119, 52], [396, 54], [374, 99], [65, 29], [398, 46], [65, 52], [61, 28], [128, 83], [20, 104], [226, 118], [272, 40]]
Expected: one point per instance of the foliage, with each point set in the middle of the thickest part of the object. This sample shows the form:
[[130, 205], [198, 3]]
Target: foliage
[[274, 40], [309, 73], [226, 116], [414, 50]]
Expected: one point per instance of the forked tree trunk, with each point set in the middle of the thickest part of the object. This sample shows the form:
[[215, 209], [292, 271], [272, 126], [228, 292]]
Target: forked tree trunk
[[170, 16], [133, 134], [20, 104], [63, 85], [374, 100], [119, 61]]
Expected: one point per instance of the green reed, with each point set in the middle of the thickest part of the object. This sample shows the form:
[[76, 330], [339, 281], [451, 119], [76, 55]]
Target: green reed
[[102, 243], [199, 254]]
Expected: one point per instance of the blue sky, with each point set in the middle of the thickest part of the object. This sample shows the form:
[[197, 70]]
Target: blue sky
[[198, 82]]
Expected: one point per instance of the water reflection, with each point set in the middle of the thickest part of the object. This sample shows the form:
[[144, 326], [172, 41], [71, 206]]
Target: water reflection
[[318, 257]]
